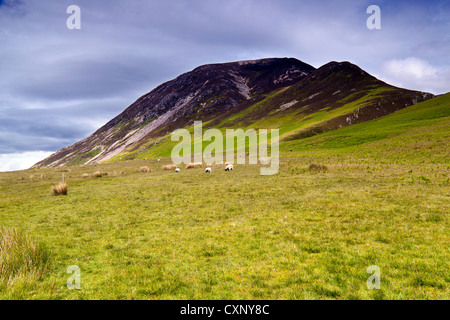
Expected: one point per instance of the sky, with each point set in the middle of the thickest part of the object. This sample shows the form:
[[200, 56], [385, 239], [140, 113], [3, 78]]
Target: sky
[[59, 85]]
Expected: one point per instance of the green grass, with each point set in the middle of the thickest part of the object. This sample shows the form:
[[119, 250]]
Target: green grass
[[23, 261], [301, 234]]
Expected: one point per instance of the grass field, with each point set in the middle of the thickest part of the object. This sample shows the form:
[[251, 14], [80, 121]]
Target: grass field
[[300, 234]]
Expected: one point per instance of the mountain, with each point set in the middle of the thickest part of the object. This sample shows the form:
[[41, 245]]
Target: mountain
[[282, 93]]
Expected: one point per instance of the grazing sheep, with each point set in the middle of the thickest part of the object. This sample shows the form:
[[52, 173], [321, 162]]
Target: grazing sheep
[[229, 167], [177, 170], [85, 175], [170, 166], [208, 170], [193, 165]]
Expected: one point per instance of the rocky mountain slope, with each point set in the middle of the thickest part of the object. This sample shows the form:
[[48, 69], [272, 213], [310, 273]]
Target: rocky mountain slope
[[282, 93]]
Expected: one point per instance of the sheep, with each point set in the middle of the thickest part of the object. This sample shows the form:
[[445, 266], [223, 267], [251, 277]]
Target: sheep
[[145, 169], [229, 167], [208, 170], [177, 170], [158, 160]]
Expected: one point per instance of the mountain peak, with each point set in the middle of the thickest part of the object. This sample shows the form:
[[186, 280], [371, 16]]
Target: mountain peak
[[246, 92]]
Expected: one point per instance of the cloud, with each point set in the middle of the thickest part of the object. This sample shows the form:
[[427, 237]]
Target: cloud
[[415, 73], [20, 161]]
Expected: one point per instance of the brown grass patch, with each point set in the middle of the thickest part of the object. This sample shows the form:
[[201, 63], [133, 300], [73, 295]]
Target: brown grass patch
[[60, 189], [317, 167], [170, 166], [193, 165], [99, 174]]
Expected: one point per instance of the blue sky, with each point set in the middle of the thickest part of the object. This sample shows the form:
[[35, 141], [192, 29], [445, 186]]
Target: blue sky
[[57, 85]]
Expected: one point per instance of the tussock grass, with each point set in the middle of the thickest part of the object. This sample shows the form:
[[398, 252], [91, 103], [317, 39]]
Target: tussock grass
[[170, 166], [60, 189], [99, 174], [193, 165], [85, 175], [145, 169], [21, 257]]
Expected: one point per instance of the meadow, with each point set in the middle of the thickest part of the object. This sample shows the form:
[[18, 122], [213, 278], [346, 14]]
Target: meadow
[[380, 197]]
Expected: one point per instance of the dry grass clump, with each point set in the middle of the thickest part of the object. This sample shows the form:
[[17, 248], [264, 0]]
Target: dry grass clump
[[21, 257], [145, 169], [60, 189], [317, 167], [170, 166], [62, 170], [85, 175], [193, 165], [99, 174]]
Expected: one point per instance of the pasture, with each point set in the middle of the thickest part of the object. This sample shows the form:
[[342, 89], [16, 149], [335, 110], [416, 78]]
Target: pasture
[[377, 194]]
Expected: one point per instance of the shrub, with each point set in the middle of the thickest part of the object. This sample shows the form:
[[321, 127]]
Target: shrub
[[145, 169], [21, 257], [60, 189], [170, 166], [317, 167]]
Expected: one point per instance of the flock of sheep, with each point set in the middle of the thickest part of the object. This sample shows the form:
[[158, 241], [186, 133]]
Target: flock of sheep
[[208, 169]]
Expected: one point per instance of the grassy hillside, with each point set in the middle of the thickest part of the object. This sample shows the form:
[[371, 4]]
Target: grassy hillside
[[293, 127], [301, 234]]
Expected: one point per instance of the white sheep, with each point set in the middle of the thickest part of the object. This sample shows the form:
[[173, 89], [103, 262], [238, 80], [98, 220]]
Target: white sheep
[[229, 167], [208, 169], [158, 160], [177, 170]]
